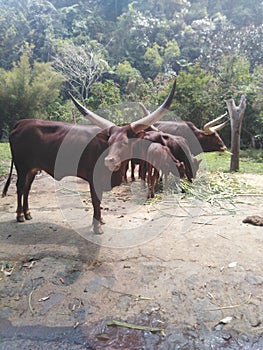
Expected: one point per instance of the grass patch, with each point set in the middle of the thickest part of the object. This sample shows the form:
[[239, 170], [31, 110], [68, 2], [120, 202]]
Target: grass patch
[[251, 161], [5, 158]]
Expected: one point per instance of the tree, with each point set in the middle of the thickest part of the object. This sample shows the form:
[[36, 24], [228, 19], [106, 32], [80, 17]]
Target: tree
[[197, 96], [14, 30], [28, 91], [125, 73], [103, 94], [236, 117], [80, 67], [153, 60], [224, 39], [253, 124], [171, 55]]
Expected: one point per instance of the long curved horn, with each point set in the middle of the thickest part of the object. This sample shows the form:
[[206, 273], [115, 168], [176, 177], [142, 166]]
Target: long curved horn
[[93, 117], [208, 126], [153, 117], [220, 126], [147, 112]]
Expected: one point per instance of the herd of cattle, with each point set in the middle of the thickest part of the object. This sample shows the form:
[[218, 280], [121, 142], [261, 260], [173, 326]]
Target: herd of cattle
[[100, 153]]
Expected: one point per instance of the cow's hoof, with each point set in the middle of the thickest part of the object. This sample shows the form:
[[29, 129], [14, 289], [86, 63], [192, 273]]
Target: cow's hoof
[[20, 218], [97, 230], [28, 216]]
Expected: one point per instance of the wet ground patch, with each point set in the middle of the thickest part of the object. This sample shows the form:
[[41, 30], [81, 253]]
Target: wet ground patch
[[98, 336]]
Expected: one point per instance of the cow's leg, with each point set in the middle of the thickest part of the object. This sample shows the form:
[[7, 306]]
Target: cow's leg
[[140, 169], [157, 180], [143, 172], [125, 179], [29, 179], [133, 164], [20, 184], [96, 197], [149, 170], [150, 181], [154, 180], [165, 182]]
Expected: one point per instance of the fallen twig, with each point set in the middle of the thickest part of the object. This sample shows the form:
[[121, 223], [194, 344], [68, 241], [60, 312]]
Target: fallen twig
[[134, 326], [136, 297], [230, 306], [29, 301]]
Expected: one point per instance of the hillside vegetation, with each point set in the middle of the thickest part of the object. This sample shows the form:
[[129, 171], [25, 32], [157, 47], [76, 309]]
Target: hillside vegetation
[[108, 52]]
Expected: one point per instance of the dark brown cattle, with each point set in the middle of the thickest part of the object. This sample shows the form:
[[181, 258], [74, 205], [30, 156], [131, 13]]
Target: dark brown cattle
[[199, 141], [179, 148], [207, 140], [159, 158], [94, 154]]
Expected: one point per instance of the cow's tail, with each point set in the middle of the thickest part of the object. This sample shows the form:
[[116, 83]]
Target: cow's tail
[[8, 180]]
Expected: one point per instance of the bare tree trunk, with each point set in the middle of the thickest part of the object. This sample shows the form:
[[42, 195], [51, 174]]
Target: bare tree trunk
[[236, 117]]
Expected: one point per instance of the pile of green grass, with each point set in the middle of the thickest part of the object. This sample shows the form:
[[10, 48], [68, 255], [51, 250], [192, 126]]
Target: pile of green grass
[[220, 188]]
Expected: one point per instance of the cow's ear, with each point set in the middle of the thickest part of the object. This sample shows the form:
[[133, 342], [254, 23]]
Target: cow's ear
[[132, 134], [141, 134], [107, 132], [103, 136]]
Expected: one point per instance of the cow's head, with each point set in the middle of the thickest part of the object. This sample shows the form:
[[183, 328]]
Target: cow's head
[[121, 139], [212, 140], [196, 164]]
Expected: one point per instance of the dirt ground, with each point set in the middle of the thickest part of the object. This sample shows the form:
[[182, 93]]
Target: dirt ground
[[189, 269]]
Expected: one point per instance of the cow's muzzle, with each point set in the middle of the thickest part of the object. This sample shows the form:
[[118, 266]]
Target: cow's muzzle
[[112, 164]]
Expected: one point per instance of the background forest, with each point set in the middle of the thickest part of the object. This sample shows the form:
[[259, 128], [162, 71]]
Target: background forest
[[113, 51]]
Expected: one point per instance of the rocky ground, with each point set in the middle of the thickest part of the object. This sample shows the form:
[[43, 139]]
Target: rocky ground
[[188, 271]]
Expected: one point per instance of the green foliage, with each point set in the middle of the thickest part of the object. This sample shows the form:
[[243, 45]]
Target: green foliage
[[125, 72], [257, 87], [153, 60], [224, 39], [171, 54], [197, 96], [234, 75], [242, 12], [103, 94], [5, 158], [64, 112], [139, 44], [27, 91]]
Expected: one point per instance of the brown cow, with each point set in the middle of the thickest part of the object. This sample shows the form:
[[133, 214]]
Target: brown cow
[[61, 149], [207, 140], [159, 158], [179, 148]]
